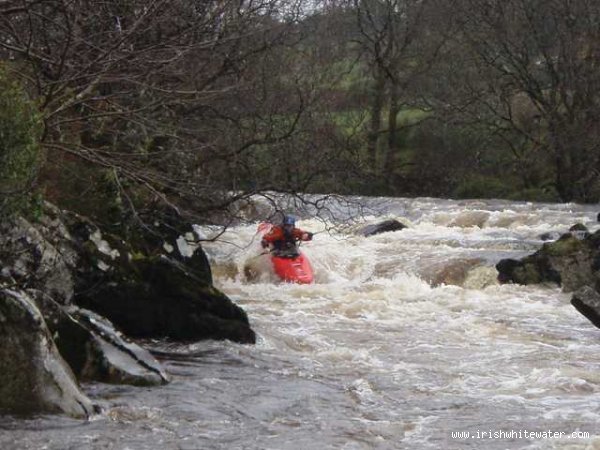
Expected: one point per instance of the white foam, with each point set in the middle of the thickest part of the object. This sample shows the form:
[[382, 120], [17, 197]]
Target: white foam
[[508, 348]]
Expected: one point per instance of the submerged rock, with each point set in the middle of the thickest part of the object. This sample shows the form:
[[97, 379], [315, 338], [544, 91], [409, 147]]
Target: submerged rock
[[587, 301], [34, 378], [550, 236], [570, 261], [579, 231], [467, 219], [382, 227], [452, 272], [94, 349]]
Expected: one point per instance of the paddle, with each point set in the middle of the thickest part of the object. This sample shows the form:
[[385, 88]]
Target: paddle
[[260, 254]]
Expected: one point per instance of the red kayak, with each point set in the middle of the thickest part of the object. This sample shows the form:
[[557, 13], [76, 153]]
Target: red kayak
[[292, 268]]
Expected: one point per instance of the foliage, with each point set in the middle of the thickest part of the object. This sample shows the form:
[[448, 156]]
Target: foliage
[[482, 187], [195, 105], [20, 129]]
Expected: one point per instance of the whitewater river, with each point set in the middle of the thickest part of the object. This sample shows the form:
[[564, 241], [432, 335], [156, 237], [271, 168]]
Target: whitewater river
[[404, 340]]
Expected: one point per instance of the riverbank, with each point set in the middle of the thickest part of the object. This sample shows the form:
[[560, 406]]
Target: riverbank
[[71, 293]]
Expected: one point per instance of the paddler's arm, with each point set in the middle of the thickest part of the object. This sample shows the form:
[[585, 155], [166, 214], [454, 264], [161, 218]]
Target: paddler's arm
[[270, 237]]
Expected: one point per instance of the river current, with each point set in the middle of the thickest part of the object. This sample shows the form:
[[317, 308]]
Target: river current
[[404, 341]]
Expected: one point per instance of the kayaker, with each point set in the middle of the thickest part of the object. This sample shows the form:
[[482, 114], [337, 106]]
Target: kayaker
[[284, 237]]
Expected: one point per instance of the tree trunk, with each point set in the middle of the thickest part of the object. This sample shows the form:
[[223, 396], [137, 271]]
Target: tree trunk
[[375, 125], [564, 177], [392, 147]]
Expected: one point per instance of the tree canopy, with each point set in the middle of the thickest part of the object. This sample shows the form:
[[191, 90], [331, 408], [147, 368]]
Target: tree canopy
[[193, 106]]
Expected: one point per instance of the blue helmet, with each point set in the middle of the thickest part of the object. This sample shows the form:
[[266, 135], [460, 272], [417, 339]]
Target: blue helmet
[[289, 220]]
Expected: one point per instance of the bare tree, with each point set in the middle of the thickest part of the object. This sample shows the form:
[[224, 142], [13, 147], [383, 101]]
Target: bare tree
[[399, 43], [534, 78], [182, 103]]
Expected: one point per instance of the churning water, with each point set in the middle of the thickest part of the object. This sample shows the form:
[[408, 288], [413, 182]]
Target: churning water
[[405, 340]]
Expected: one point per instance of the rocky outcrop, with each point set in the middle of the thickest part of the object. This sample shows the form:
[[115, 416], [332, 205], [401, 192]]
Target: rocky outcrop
[[153, 289], [39, 256], [166, 294], [33, 377], [570, 261], [579, 231], [94, 350], [573, 261], [159, 297], [381, 227], [62, 277]]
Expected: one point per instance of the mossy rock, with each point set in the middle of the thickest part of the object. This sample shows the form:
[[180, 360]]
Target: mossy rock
[[527, 274], [566, 245]]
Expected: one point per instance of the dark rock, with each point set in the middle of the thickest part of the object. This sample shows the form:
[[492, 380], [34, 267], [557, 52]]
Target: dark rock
[[569, 261], [550, 236], [587, 301], [197, 263], [598, 217], [33, 377], [579, 227], [506, 269], [382, 227], [160, 297], [579, 231], [146, 291], [152, 294], [94, 349]]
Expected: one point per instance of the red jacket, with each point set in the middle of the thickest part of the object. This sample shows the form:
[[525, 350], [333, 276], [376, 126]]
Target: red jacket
[[277, 234]]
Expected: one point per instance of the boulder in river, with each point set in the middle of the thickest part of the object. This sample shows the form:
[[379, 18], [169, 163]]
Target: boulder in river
[[587, 301], [34, 379], [579, 231], [570, 261], [453, 272], [382, 227], [550, 236]]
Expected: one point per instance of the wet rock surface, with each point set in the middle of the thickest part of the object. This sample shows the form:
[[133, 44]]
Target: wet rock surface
[[381, 227], [38, 256], [165, 294], [64, 283], [453, 272], [571, 262], [587, 301], [95, 350], [33, 377]]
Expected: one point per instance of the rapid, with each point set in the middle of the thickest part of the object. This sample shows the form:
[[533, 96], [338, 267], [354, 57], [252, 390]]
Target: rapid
[[404, 340]]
